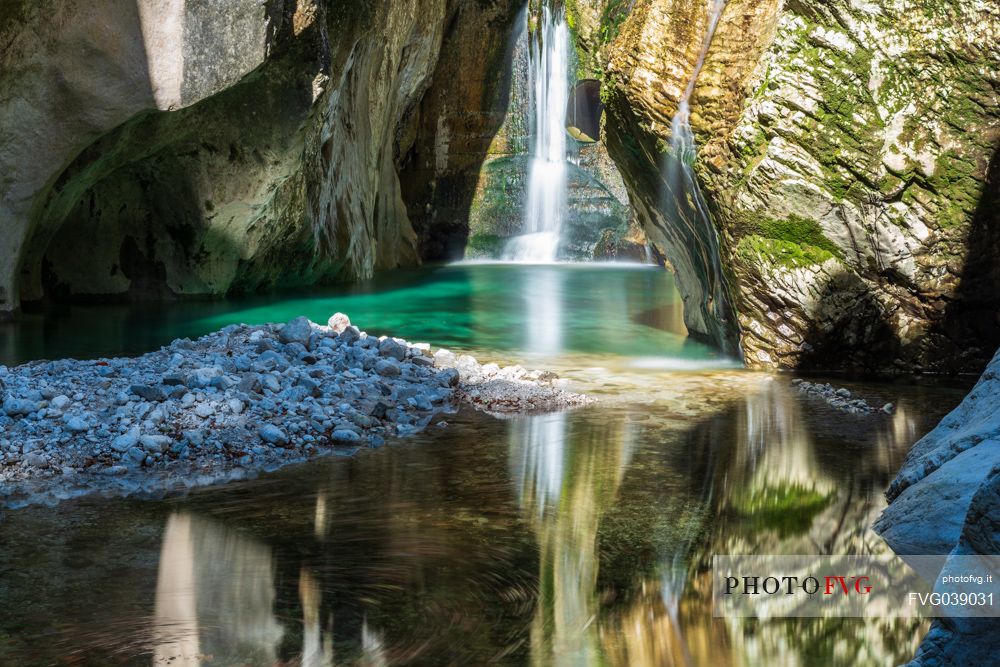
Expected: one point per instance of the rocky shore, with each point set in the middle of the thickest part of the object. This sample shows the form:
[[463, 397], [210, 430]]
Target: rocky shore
[[241, 400], [840, 398]]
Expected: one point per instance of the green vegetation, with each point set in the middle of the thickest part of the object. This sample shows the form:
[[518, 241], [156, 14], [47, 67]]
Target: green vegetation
[[787, 509], [612, 18], [485, 245], [792, 242], [781, 253], [798, 230]]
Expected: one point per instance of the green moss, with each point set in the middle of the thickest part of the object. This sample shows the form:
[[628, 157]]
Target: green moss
[[793, 229], [958, 190], [485, 245], [790, 242], [781, 253], [499, 197], [786, 509]]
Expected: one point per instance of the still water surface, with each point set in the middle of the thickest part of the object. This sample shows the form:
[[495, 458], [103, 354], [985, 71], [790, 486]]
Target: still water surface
[[580, 538]]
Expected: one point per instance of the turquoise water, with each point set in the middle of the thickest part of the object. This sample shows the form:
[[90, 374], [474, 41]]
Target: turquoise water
[[576, 538], [523, 311]]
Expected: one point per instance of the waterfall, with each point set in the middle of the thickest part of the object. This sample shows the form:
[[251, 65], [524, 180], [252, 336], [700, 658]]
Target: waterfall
[[679, 167], [546, 199], [680, 170]]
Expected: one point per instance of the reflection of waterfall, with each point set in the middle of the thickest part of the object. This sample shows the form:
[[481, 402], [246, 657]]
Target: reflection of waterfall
[[549, 72], [565, 484], [543, 300], [214, 595], [536, 456], [317, 643]]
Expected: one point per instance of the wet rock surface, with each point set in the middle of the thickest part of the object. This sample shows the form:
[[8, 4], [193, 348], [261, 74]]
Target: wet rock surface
[[229, 404]]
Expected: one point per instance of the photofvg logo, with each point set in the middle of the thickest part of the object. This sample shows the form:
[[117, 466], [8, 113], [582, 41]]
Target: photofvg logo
[[874, 586]]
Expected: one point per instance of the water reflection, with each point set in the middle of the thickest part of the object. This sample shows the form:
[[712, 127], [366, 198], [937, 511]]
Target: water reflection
[[564, 485], [758, 478], [571, 539], [543, 301], [214, 595]]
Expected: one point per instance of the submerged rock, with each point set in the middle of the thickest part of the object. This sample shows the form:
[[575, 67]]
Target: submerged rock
[[839, 398]]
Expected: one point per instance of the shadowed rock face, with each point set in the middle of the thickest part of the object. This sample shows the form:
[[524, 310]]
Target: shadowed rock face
[[946, 500], [844, 148], [192, 150]]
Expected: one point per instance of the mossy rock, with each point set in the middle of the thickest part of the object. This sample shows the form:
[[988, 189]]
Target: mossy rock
[[785, 254], [484, 246]]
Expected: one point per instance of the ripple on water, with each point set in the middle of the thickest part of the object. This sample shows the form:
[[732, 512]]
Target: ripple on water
[[574, 538]]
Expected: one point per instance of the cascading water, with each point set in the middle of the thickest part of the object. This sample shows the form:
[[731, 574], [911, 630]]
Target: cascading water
[[681, 137], [688, 200], [546, 200]]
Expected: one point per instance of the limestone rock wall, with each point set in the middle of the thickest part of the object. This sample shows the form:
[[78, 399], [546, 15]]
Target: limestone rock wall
[[160, 148], [946, 500], [459, 123], [847, 149]]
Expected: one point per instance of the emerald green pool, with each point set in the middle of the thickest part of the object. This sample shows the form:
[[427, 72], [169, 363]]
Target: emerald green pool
[[519, 310], [579, 538]]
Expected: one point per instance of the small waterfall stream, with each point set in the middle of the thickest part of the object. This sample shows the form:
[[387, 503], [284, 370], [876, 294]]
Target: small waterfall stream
[[680, 170], [546, 199], [682, 196]]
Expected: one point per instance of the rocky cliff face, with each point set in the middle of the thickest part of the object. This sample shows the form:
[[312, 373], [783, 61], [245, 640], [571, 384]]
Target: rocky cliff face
[[946, 500], [196, 150], [847, 150]]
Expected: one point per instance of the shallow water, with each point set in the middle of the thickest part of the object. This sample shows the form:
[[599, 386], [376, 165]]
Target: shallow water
[[581, 538]]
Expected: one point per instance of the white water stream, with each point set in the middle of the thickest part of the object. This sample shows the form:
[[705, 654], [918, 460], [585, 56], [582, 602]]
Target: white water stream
[[546, 200], [680, 172]]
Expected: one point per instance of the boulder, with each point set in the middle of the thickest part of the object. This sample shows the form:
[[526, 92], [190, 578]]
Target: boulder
[[273, 435], [391, 347], [388, 368], [296, 331], [338, 322], [149, 393]]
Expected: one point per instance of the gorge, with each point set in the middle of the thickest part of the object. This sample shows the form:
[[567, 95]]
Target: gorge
[[777, 190]]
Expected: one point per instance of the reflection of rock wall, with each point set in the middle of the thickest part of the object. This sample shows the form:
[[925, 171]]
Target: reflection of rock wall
[[214, 596], [194, 148], [845, 150]]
